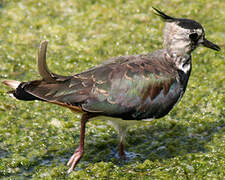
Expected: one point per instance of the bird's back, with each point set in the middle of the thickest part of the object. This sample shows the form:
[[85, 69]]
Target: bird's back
[[138, 87], [129, 87]]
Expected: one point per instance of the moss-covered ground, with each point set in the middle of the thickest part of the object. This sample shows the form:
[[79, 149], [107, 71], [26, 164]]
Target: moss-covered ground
[[37, 139]]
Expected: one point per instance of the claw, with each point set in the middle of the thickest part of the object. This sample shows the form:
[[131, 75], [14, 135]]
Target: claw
[[75, 158]]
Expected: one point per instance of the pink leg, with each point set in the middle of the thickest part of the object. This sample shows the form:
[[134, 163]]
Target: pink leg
[[75, 158]]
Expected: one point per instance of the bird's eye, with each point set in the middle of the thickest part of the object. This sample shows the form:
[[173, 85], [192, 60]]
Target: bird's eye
[[193, 36]]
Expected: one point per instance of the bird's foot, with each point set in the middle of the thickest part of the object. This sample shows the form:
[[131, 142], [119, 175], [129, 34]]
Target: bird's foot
[[75, 158], [122, 155]]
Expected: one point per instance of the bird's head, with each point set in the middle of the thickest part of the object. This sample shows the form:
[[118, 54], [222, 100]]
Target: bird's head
[[182, 36]]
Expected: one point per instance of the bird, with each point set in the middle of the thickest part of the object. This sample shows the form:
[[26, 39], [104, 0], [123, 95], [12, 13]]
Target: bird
[[125, 88]]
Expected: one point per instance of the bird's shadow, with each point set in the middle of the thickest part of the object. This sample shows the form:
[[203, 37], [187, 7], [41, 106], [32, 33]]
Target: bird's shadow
[[154, 142]]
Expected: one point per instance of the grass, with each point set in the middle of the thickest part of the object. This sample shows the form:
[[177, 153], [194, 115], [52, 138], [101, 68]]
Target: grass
[[37, 139]]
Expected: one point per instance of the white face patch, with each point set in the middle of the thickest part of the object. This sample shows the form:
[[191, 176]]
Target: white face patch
[[177, 40], [198, 31], [179, 45], [202, 34]]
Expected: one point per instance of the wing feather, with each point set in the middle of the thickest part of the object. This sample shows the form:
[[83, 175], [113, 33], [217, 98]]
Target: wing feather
[[118, 86]]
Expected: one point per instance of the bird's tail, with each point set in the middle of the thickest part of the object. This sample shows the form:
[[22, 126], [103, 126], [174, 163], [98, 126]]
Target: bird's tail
[[35, 90], [11, 83], [18, 91], [42, 65]]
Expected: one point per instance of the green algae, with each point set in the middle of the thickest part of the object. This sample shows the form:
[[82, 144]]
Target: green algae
[[37, 139]]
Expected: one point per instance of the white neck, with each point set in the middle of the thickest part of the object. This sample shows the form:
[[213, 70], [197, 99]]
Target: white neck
[[178, 46], [182, 63], [176, 39]]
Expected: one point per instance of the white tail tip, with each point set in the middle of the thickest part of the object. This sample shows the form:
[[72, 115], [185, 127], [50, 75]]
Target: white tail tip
[[11, 83]]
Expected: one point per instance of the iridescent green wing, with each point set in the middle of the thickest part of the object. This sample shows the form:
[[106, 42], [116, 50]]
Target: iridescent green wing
[[116, 87], [121, 88]]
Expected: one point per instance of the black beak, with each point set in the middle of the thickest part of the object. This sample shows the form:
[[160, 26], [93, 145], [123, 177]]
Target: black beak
[[210, 45]]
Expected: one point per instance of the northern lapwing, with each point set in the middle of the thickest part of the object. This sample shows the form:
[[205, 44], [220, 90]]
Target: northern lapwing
[[136, 87]]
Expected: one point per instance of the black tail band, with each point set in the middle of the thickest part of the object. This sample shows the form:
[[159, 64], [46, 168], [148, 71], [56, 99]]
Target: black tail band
[[21, 94]]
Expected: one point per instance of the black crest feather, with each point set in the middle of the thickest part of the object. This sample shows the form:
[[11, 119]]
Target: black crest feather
[[184, 23], [163, 15]]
